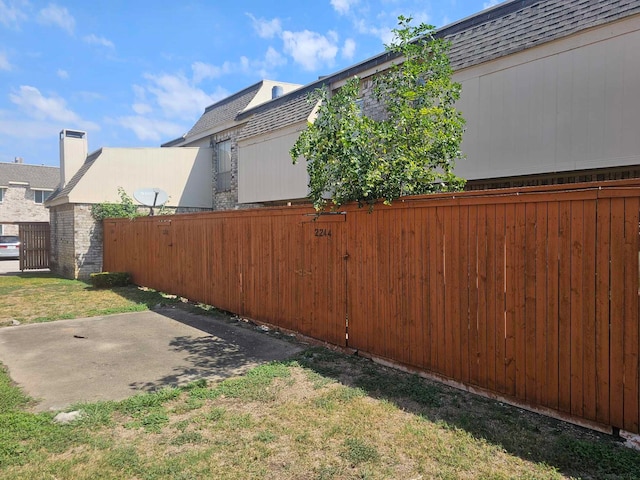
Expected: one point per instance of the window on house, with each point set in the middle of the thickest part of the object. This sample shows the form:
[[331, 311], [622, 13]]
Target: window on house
[[41, 195], [1, 194], [223, 166]]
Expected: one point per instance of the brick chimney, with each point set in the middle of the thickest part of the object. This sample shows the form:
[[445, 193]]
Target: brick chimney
[[73, 153]]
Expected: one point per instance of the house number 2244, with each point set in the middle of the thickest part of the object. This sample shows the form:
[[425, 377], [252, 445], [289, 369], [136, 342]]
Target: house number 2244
[[322, 232]]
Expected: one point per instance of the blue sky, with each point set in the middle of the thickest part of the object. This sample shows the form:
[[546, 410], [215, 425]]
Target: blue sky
[[139, 73]]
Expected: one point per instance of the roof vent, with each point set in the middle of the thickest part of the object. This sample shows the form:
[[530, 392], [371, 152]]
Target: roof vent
[[18, 160], [276, 91]]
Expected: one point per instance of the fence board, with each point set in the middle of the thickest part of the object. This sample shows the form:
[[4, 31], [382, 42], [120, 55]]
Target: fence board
[[564, 307], [541, 294], [616, 326], [589, 311], [630, 318], [465, 238], [603, 251], [576, 302], [474, 372], [531, 260], [500, 300]]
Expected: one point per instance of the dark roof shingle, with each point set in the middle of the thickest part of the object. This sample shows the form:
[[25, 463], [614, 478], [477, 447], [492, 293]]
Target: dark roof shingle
[[37, 176], [225, 110]]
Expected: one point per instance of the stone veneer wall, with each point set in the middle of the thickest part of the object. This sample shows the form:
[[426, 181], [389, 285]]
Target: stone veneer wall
[[62, 241], [18, 205]]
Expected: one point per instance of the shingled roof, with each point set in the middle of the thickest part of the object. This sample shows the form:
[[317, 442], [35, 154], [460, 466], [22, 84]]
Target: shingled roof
[[287, 110], [518, 25], [37, 176], [493, 33], [224, 110]]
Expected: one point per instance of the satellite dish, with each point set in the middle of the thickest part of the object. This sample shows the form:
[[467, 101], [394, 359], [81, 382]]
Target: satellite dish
[[151, 197]]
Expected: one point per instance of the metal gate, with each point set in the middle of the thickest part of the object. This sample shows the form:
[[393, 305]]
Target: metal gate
[[35, 248]]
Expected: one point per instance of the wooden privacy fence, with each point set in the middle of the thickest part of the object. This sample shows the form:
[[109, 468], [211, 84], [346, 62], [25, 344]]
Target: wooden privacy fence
[[35, 245], [531, 295]]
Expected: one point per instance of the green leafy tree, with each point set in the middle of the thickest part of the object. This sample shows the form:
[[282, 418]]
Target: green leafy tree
[[126, 208], [412, 150]]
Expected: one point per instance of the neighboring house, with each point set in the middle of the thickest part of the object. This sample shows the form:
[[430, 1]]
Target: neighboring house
[[550, 93], [23, 191], [183, 168], [220, 127], [85, 180]]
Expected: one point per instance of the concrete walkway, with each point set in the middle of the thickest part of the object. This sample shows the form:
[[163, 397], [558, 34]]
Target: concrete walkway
[[113, 357]]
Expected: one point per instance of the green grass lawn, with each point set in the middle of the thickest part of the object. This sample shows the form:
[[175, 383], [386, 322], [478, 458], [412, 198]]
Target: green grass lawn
[[320, 415], [42, 297]]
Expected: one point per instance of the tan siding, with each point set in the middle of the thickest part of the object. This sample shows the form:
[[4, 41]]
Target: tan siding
[[184, 173], [559, 110], [266, 172]]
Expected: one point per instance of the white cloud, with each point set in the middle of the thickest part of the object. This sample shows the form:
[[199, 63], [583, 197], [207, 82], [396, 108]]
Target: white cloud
[[266, 28], [490, 3], [383, 33], [163, 103], [311, 49], [4, 62], [57, 16], [343, 6], [349, 48], [63, 74], [11, 14], [96, 40], [202, 71], [54, 109], [176, 96], [142, 108], [273, 58], [150, 128]]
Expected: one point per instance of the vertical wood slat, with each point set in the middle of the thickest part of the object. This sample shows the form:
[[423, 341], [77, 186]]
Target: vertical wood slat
[[35, 239], [532, 298], [631, 410]]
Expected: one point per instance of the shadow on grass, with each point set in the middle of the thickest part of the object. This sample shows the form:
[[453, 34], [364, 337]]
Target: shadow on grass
[[229, 349], [572, 450]]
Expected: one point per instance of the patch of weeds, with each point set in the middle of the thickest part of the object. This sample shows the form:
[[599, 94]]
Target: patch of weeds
[[302, 438], [216, 414], [97, 414], [196, 384], [25, 435], [237, 421], [12, 398], [266, 436], [338, 396], [124, 460], [182, 425], [602, 458], [191, 403], [254, 385], [187, 438], [152, 420], [328, 472], [141, 402], [318, 381], [357, 451], [392, 384]]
